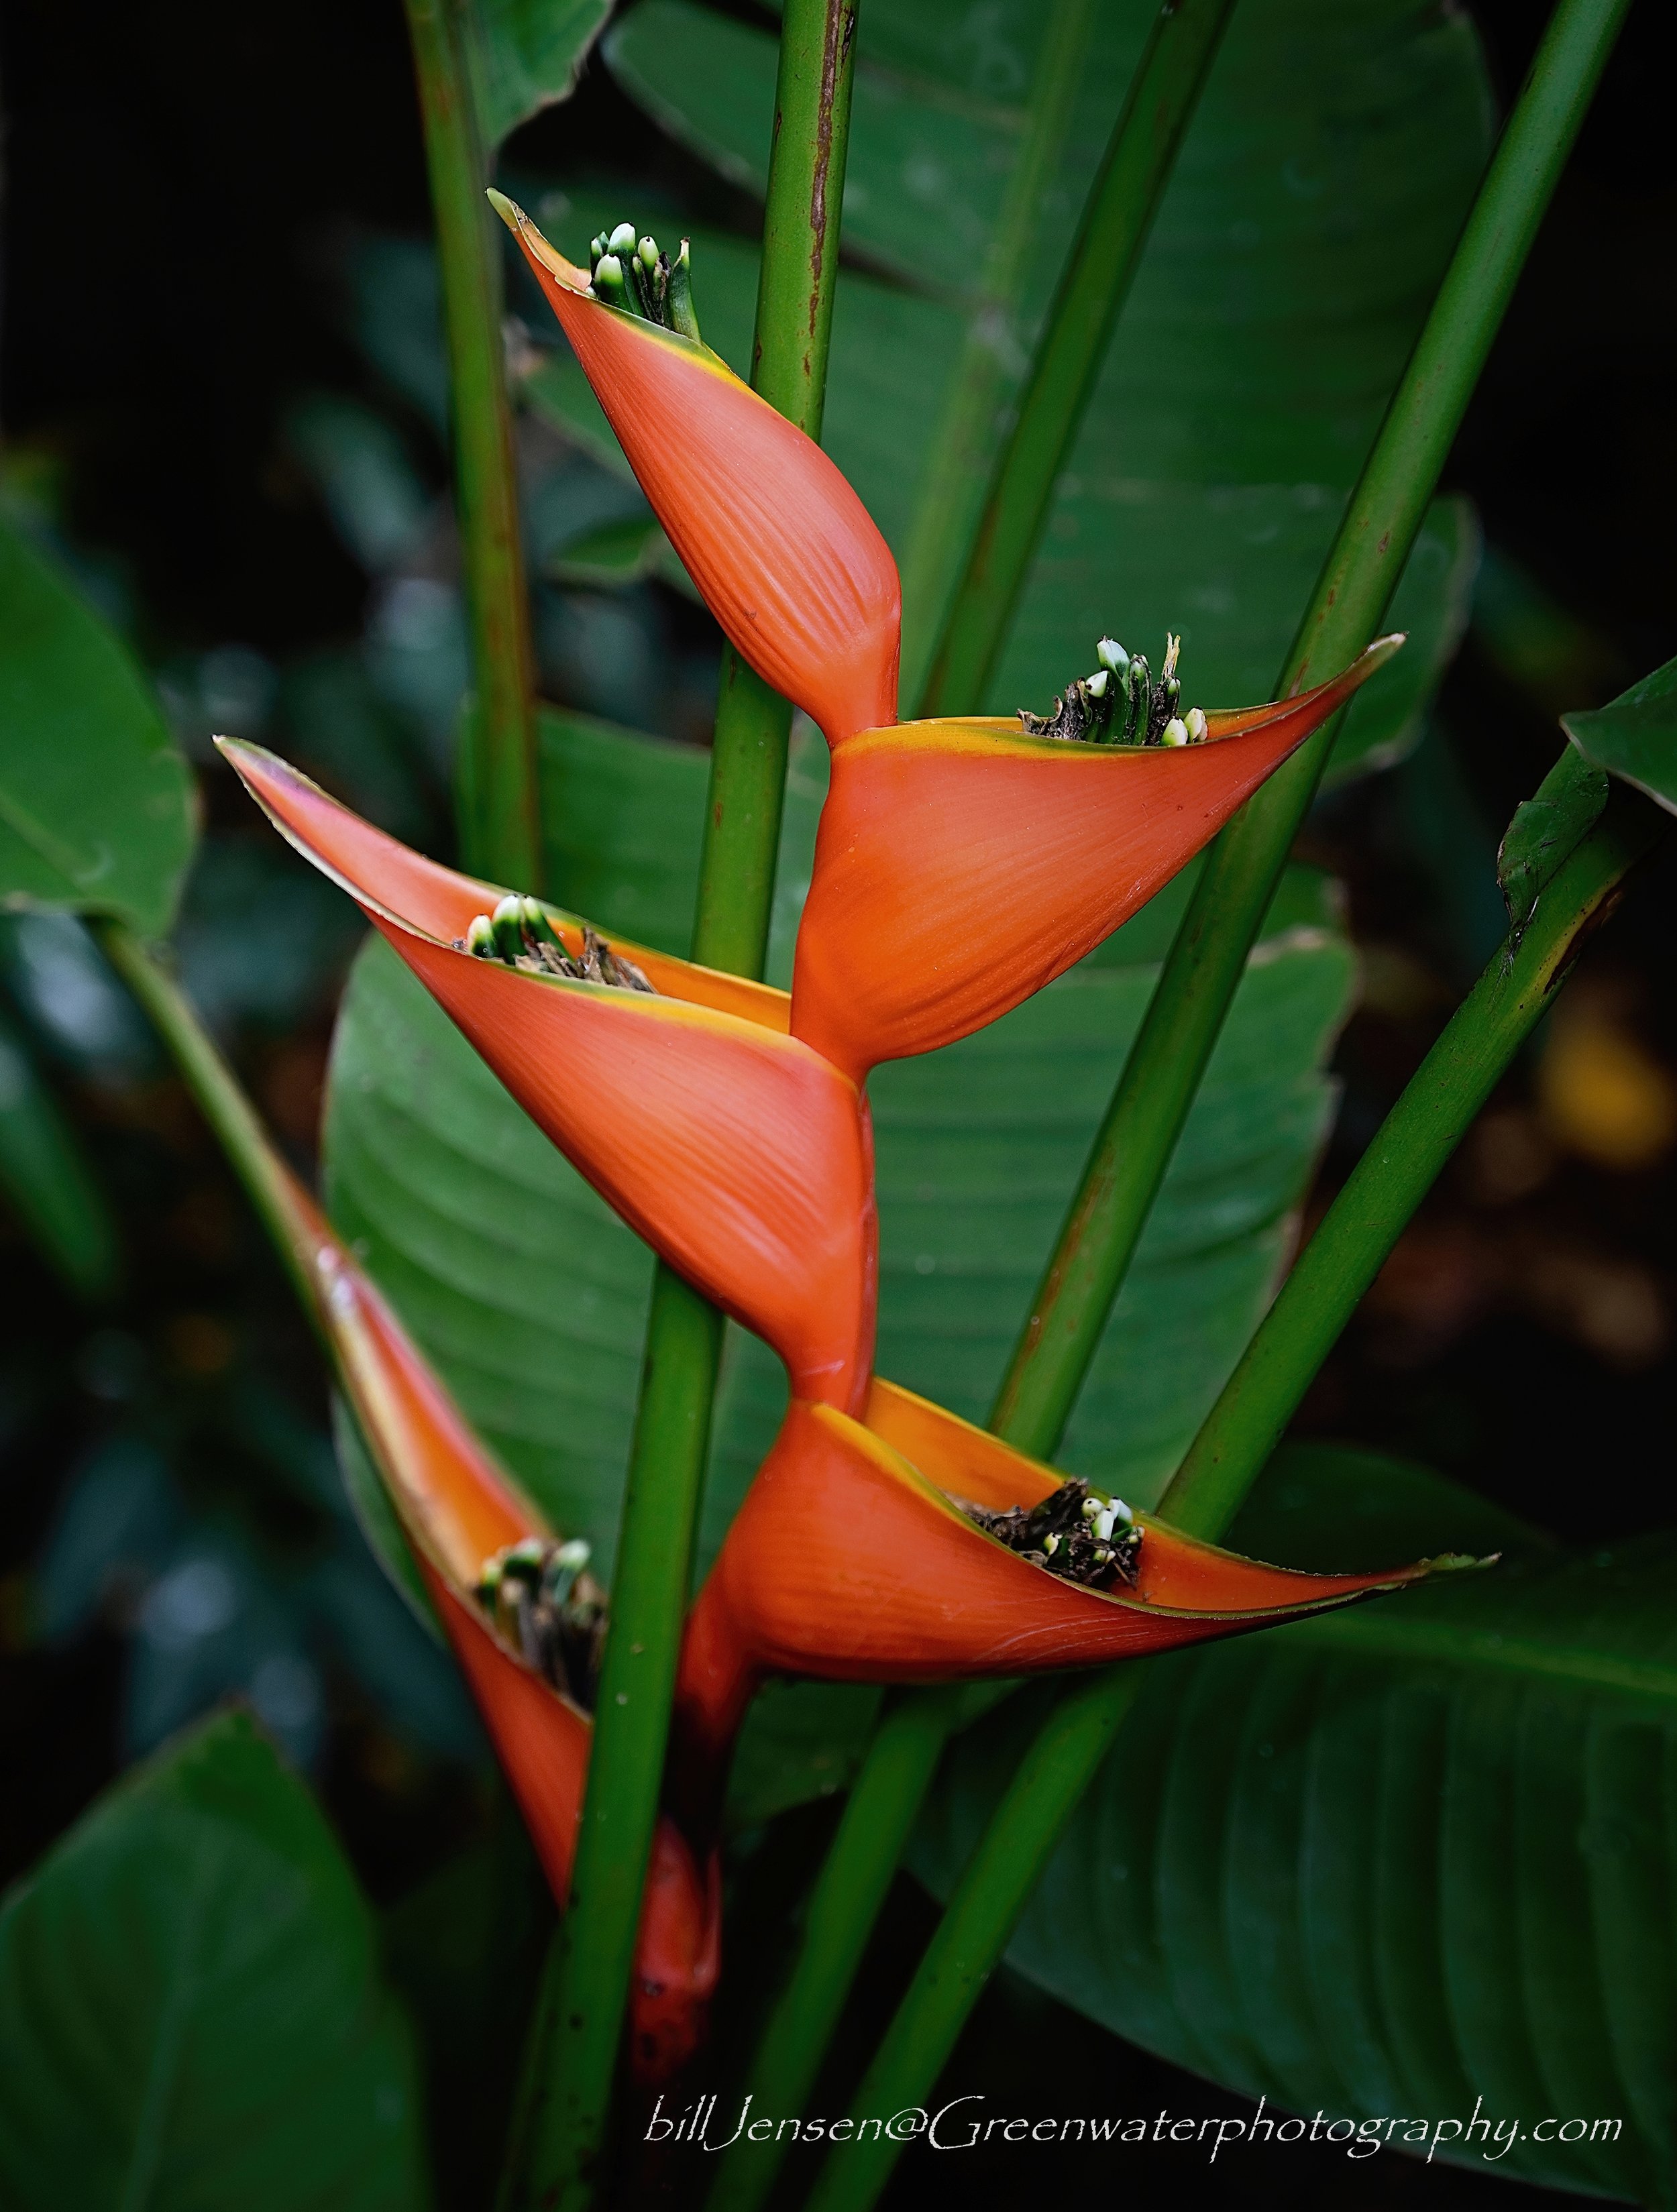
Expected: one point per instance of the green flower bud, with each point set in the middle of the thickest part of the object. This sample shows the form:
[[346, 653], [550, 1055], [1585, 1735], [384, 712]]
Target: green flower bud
[[1175, 732], [1138, 700], [678, 302], [480, 937], [646, 252], [1095, 685], [507, 922], [1112, 655], [621, 240], [1196, 725], [533, 915], [609, 281]]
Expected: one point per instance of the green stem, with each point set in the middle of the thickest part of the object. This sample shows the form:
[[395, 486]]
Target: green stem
[[1117, 219], [851, 1889], [903, 1757], [580, 2017], [795, 286], [1161, 1075], [499, 814], [1394, 1174], [946, 512], [1197, 982], [219, 1097]]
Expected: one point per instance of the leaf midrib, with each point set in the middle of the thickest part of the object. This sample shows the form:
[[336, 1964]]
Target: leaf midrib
[[1379, 1631]]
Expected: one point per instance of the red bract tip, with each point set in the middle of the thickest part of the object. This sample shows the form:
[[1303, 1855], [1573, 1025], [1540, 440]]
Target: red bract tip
[[787, 558], [961, 866], [742, 1157]]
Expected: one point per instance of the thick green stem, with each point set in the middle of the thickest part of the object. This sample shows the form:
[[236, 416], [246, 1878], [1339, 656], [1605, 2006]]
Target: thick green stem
[[1394, 1174], [903, 1757], [499, 814], [847, 1899], [947, 508], [1104, 257], [579, 2018], [1161, 1075], [585, 1989], [1193, 997], [795, 288]]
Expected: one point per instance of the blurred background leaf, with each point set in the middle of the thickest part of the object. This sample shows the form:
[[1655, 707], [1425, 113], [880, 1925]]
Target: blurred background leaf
[[96, 805], [192, 2004]]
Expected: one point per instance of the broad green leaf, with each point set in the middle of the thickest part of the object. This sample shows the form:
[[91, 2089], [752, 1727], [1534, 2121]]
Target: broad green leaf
[[191, 2007], [46, 1180], [525, 55], [800, 1741], [1320, 188], [531, 1297], [1394, 1861], [97, 811], [1635, 736]]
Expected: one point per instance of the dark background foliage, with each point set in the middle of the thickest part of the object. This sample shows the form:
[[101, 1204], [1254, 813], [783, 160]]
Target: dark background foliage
[[183, 184]]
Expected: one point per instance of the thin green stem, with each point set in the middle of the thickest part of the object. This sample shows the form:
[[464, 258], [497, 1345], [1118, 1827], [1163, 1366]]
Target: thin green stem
[[1163, 1074], [848, 1896], [1394, 1174], [496, 799], [796, 282], [580, 2017], [993, 354], [219, 1097], [1198, 983], [1104, 257]]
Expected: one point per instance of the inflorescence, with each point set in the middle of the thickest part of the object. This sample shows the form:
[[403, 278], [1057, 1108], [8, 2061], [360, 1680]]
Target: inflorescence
[[629, 272], [549, 1611], [1074, 1533], [520, 933], [1088, 714]]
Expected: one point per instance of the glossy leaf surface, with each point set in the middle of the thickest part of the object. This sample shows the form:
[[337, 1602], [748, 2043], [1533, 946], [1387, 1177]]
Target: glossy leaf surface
[[1635, 736], [97, 811], [525, 55], [191, 2004], [1388, 1863]]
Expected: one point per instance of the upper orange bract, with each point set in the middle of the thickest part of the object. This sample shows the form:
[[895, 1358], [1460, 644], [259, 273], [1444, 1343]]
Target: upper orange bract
[[960, 866], [788, 559]]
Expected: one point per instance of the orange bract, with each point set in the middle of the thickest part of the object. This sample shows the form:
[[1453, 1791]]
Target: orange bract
[[961, 866], [787, 558], [742, 1157], [458, 1507], [848, 1561]]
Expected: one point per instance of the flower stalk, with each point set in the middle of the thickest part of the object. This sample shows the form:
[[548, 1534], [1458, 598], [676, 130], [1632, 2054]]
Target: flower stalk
[[1163, 1074], [498, 814], [580, 2011]]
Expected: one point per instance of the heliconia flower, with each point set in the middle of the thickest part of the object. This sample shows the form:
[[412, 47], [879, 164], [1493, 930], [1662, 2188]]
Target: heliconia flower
[[960, 866], [851, 1560], [460, 1511], [785, 555], [736, 1152]]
